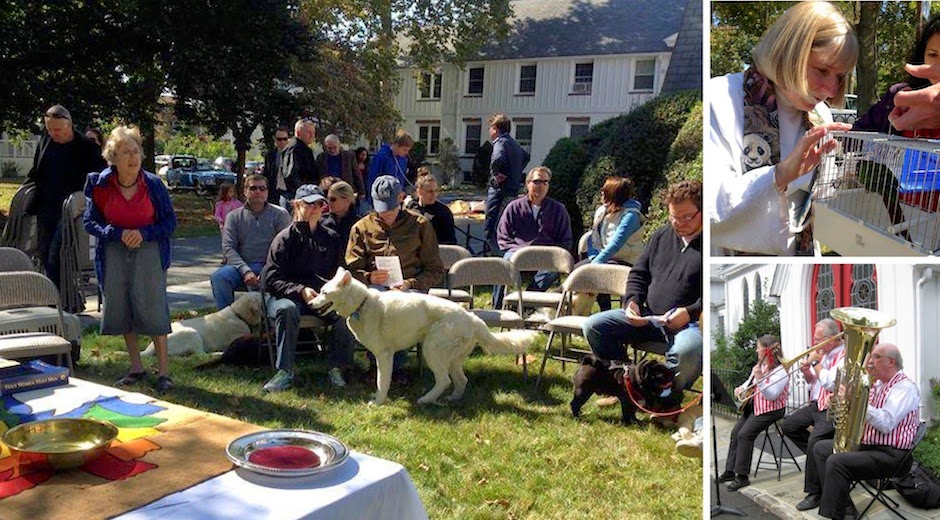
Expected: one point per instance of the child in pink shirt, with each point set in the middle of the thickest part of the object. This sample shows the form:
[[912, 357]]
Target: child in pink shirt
[[226, 203]]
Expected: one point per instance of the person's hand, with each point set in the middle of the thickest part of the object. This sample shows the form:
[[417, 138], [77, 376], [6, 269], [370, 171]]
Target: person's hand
[[251, 279], [308, 294], [678, 319], [633, 310], [805, 365], [500, 178], [841, 392], [132, 238], [404, 286], [918, 108], [378, 277], [816, 355], [739, 392], [805, 156]]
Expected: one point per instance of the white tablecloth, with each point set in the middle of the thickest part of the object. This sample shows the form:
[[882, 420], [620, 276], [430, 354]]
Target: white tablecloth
[[363, 487]]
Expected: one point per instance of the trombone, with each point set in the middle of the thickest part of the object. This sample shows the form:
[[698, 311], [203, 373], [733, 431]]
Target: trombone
[[787, 364]]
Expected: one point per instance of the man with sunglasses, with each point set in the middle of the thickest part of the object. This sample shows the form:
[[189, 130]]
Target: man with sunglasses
[[666, 281], [246, 237], [533, 220], [277, 185], [62, 161]]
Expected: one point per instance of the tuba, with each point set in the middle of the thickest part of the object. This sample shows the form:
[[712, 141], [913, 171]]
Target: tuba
[[847, 413]]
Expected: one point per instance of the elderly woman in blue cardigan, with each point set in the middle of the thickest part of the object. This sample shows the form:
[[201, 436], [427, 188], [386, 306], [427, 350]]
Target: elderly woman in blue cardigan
[[130, 212]]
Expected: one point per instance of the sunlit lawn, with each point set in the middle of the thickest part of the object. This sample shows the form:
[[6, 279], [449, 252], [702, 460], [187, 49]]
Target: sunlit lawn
[[505, 451]]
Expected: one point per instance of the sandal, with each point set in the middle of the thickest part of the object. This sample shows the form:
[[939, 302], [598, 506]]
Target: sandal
[[130, 379], [164, 384]]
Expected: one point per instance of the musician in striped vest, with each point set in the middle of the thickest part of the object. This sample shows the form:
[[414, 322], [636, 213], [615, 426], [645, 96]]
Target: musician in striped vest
[[770, 383], [819, 370], [891, 422]]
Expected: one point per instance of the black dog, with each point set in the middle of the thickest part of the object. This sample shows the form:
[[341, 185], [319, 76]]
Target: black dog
[[599, 376], [244, 351]]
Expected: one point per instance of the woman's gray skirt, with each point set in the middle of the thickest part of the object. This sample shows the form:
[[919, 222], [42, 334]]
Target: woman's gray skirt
[[134, 291]]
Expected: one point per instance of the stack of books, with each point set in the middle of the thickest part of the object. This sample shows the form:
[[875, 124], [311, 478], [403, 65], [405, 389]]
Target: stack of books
[[32, 375]]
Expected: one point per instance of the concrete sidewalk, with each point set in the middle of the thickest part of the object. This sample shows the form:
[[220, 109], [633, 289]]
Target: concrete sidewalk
[[780, 497]]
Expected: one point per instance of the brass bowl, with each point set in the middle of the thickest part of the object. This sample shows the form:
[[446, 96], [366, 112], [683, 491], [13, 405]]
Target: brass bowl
[[66, 443]]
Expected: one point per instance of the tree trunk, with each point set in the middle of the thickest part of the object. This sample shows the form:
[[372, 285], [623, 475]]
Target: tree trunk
[[868, 55], [242, 145]]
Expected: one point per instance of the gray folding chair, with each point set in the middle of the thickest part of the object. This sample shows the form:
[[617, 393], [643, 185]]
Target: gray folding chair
[[589, 278], [307, 321], [76, 257], [12, 259], [539, 258], [449, 256], [31, 321], [20, 230], [481, 271]]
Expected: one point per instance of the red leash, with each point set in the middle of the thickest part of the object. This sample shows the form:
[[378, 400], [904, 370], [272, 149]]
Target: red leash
[[677, 411]]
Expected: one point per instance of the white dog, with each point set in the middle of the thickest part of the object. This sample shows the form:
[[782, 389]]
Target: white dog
[[386, 322], [213, 332]]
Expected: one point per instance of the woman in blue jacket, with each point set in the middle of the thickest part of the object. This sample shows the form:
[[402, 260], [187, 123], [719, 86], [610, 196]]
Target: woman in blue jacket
[[129, 210]]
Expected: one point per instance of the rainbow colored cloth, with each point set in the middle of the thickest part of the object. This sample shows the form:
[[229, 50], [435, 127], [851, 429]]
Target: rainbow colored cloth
[[135, 421]]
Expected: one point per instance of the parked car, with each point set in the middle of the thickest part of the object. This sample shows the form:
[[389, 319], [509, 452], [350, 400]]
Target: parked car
[[252, 167], [848, 114], [167, 162], [224, 163], [198, 174]]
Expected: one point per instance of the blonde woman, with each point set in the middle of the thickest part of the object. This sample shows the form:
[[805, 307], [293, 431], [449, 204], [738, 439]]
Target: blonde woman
[[129, 210], [766, 126], [342, 199]]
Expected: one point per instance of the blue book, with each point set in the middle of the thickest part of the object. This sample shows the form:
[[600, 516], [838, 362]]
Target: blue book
[[20, 377]]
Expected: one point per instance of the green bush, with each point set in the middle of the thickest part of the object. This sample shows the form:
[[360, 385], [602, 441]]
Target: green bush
[[8, 170], [567, 160], [927, 453], [739, 353], [683, 162], [635, 145], [198, 145]]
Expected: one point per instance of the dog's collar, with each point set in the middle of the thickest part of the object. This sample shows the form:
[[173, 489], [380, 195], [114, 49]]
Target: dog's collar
[[237, 314], [355, 313]]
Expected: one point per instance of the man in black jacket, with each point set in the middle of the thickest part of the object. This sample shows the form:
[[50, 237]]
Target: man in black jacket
[[63, 159], [299, 166], [277, 186], [664, 292]]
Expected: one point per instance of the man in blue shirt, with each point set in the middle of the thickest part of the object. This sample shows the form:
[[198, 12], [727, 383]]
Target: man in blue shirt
[[506, 166]]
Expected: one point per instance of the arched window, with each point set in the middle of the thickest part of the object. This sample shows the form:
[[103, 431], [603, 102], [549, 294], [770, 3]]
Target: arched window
[[758, 290], [843, 286], [747, 299]]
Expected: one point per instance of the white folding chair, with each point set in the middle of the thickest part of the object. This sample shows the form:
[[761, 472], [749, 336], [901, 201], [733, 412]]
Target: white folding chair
[[451, 254], [539, 258]]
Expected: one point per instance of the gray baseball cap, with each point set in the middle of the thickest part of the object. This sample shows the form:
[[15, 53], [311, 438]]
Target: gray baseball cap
[[309, 193], [385, 191]]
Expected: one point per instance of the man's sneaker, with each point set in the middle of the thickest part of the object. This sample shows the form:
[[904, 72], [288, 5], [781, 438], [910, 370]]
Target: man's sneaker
[[281, 381], [336, 378]]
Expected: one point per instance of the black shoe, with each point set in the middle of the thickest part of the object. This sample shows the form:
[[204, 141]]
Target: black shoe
[[130, 379], [739, 482], [810, 502], [850, 512], [164, 384], [727, 476]]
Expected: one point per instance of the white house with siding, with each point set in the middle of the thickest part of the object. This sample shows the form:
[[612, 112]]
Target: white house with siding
[[567, 65], [805, 293]]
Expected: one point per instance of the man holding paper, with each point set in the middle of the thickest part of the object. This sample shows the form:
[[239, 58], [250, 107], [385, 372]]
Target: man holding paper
[[663, 293], [394, 249]]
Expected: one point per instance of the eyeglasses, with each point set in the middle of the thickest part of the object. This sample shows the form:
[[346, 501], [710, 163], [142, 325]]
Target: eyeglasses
[[317, 204], [257, 188], [130, 152], [539, 182], [334, 199], [683, 220], [281, 139]]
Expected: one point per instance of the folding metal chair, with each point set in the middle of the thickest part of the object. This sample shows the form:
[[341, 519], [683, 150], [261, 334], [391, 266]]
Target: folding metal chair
[[539, 258], [449, 256], [476, 271], [307, 321], [12, 259], [904, 465], [29, 326], [778, 460]]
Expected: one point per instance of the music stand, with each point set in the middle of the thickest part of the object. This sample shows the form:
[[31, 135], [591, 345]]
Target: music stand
[[720, 396]]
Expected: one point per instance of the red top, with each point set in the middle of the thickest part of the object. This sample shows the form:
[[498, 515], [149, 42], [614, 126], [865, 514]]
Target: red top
[[135, 213]]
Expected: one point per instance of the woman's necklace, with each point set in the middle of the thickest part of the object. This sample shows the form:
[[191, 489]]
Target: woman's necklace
[[131, 185]]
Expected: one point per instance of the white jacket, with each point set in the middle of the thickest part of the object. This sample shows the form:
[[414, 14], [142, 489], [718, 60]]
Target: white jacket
[[746, 212]]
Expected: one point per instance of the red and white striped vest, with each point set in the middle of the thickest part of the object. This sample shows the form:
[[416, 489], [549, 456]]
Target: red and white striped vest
[[763, 405], [822, 402], [902, 436]]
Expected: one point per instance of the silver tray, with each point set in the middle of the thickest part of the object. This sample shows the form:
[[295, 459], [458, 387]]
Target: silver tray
[[331, 451]]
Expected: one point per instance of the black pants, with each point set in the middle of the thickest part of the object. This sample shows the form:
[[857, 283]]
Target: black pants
[[840, 469], [795, 428], [745, 432]]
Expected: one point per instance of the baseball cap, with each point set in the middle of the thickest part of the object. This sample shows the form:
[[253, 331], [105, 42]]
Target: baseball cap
[[385, 191], [309, 193]]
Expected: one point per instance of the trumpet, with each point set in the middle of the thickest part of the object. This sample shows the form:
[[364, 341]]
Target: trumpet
[[787, 364]]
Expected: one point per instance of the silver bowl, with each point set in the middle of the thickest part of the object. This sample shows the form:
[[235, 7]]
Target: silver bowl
[[330, 451], [66, 443]]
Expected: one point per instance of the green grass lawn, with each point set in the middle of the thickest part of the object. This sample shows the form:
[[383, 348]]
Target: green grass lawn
[[504, 451], [193, 212]]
